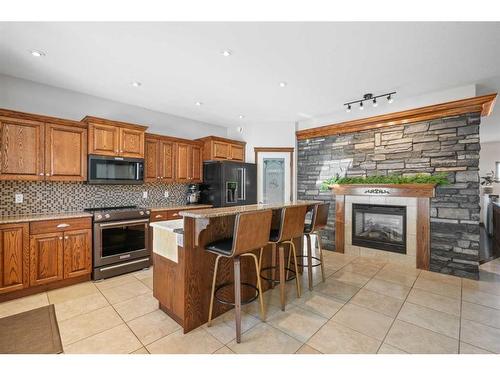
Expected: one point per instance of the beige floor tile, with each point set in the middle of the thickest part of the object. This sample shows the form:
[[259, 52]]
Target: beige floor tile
[[441, 277], [334, 338], [20, 305], [350, 278], [223, 328], [137, 306], [298, 323], [143, 274], [396, 277], [481, 314], [77, 306], [306, 349], [400, 268], [320, 304], [470, 349], [224, 350], [389, 349], [481, 298], [71, 292], [363, 268], [486, 286], [479, 335], [386, 305], [435, 301], [113, 282], [153, 326], [86, 325], [365, 321], [195, 342], [265, 339], [254, 309], [417, 340], [148, 281], [142, 350], [124, 292], [438, 287], [337, 289], [388, 289], [433, 320], [380, 263], [117, 340]]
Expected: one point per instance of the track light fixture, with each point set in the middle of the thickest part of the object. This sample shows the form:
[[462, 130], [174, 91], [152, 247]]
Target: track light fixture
[[372, 98]]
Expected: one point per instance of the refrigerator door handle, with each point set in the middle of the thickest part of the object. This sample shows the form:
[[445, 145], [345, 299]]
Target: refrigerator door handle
[[244, 184]]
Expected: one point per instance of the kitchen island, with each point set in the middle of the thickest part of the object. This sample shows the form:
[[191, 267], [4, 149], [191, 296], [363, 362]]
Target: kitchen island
[[182, 279]]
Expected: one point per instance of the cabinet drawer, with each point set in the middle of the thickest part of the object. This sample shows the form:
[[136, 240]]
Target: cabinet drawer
[[174, 215], [59, 225], [158, 216]]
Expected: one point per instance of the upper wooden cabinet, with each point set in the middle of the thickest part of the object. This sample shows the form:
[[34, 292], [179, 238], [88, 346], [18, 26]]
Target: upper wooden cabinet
[[115, 138], [34, 147], [189, 163], [14, 257], [217, 148], [159, 158]]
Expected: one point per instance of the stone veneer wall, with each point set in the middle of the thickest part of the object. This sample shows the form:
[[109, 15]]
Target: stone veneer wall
[[449, 145], [47, 197]]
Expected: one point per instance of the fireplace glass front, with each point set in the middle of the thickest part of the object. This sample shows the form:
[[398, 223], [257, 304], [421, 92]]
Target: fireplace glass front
[[379, 227]]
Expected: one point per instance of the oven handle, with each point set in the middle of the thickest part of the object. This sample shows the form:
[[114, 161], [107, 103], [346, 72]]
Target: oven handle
[[120, 223]]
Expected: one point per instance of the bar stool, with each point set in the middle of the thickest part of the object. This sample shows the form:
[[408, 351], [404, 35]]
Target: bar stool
[[318, 221], [251, 232], [291, 226]]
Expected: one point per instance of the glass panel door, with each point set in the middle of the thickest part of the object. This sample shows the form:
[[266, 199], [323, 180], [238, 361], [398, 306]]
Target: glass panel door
[[274, 177]]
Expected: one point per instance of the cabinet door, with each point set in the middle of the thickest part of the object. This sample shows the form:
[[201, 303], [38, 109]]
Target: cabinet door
[[182, 158], [131, 143], [152, 159], [167, 159], [104, 139], [46, 258], [65, 153], [196, 164], [237, 153], [220, 150], [14, 257], [21, 150], [77, 253]]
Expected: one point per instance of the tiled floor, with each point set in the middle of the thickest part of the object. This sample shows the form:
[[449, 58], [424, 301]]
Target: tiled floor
[[364, 306]]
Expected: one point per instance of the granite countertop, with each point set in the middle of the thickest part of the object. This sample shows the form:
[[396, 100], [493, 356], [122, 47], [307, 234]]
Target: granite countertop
[[228, 211], [178, 207], [9, 219]]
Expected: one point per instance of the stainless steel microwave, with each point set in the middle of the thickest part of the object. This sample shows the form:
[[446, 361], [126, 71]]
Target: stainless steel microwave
[[115, 170]]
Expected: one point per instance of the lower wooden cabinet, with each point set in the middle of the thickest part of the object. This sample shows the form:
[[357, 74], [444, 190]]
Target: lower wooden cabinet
[[46, 258], [77, 253], [14, 257]]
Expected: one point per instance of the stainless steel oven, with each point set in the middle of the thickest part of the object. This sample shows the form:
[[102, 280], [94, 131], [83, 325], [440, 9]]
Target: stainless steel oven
[[121, 241], [115, 170]]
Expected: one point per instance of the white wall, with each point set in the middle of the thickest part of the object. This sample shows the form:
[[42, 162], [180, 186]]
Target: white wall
[[28, 96]]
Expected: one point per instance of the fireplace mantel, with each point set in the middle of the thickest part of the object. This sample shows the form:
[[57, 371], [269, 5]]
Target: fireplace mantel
[[423, 193], [386, 190]]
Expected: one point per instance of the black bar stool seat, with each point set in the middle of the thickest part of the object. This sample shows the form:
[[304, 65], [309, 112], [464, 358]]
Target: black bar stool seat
[[223, 246]]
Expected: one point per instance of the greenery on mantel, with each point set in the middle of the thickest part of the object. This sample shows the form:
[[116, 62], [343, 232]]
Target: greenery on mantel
[[438, 179]]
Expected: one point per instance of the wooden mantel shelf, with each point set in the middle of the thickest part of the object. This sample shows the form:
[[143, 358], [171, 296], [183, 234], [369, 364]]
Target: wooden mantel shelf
[[479, 104], [386, 190]]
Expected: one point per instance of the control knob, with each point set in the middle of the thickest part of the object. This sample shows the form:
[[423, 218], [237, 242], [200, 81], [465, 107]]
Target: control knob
[[99, 217], [107, 216], [141, 212]]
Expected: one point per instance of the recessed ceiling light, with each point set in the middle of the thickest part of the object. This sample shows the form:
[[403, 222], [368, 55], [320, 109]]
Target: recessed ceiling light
[[226, 53], [136, 84], [283, 84], [241, 116], [36, 53], [198, 104]]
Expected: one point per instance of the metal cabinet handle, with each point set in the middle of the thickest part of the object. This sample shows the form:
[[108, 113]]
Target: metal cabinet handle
[[63, 225], [41, 174], [60, 238], [175, 214], [66, 237], [158, 216], [47, 174]]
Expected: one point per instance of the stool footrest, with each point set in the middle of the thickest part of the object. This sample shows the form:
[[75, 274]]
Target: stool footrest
[[225, 302], [292, 277], [305, 265]]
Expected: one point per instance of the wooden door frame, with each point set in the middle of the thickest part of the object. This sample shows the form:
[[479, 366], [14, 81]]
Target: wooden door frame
[[289, 150]]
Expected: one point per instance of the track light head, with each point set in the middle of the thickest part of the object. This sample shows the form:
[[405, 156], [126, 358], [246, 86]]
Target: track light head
[[390, 98], [375, 102], [361, 106], [348, 109]]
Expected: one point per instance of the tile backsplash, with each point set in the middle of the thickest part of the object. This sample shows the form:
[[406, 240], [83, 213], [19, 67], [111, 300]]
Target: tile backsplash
[[48, 197]]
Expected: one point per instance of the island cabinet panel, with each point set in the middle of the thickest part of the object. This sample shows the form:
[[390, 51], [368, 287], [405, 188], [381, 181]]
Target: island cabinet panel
[[104, 140], [77, 254], [21, 149], [152, 159], [167, 161], [65, 153], [131, 143], [46, 258], [14, 257]]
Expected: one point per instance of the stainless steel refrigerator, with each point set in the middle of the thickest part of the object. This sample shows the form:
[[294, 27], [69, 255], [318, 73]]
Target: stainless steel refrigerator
[[228, 183]]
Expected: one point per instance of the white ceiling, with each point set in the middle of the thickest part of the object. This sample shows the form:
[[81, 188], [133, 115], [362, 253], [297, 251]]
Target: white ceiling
[[324, 64]]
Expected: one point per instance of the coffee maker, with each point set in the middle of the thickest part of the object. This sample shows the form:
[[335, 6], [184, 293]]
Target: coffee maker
[[193, 195]]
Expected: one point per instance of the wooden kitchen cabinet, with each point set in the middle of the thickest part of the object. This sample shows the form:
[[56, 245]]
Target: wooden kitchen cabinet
[[159, 158], [14, 257], [151, 159], [77, 253], [115, 138], [218, 148], [189, 163], [46, 258]]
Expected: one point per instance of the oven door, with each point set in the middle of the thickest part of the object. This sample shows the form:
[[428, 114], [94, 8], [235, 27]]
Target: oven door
[[119, 241]]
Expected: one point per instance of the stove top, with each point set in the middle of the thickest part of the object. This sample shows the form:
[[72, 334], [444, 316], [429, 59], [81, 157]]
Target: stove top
[[118, 213]]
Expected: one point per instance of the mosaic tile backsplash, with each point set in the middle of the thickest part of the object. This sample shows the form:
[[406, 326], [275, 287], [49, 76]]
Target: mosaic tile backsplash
[[49, 197]]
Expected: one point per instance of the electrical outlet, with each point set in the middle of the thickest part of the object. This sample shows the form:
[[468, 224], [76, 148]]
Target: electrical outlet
[[166, 194], [145, 194], [18, 198]]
